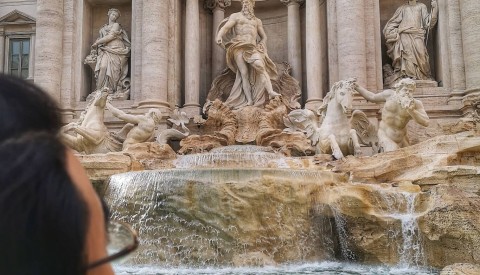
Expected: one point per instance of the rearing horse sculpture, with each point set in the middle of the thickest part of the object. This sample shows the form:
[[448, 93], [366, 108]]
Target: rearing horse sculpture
[[91, 134], [335, 135]]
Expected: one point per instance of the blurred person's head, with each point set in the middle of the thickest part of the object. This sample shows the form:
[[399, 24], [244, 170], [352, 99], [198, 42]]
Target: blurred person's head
[[51, 220]]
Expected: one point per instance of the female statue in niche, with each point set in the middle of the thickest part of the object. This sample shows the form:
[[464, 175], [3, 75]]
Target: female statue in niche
[[110, 53], [406, 34]]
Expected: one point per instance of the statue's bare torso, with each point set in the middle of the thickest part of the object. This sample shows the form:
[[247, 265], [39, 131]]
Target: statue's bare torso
[[246, 30]]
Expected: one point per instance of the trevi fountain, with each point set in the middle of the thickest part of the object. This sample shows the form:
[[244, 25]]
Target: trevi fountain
[[273, 136]]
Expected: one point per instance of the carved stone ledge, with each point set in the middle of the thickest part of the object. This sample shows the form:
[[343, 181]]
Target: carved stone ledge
[[213, 4], [288, 2]]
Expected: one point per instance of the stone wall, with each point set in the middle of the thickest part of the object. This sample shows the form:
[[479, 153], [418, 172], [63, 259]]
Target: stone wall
[[341, 52]]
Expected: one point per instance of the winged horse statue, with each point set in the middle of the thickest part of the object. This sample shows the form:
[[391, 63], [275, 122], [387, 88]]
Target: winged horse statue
[[91, 136], [337, 135]]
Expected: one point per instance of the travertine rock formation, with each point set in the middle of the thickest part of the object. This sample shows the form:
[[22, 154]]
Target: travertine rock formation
[[358, 209]]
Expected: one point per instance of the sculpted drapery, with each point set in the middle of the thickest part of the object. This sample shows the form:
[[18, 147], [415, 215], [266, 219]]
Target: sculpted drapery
[[112, 61], [251, 53], [113, 50], [405, 39], [247, 57]]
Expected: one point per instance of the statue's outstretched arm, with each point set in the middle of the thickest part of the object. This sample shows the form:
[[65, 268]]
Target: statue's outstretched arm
[[122, 115], [377, 98]]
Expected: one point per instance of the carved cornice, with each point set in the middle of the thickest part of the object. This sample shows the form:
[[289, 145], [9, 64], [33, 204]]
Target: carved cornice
[[16, 17], [213, 4], [288, 2]]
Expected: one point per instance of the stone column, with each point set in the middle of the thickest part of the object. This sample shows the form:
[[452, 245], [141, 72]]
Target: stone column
[[68, 58], [457, 64], [471, 35], [351, 40], [192, 59], [136, 52], [313, 55], [294, 38], [218, 54], [48, 56], [175, 53], [155, 55], [31, 61], [2, 50]]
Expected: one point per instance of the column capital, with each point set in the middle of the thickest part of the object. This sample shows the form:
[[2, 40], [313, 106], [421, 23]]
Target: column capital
[[290, 2], [216, 4]]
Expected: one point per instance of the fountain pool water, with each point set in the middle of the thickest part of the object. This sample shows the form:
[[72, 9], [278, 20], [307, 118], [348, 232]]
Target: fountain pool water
[[228, 213], [320, 268]]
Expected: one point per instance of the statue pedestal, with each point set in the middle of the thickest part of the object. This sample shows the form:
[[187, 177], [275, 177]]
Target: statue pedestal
[[426, 83], [248, 120], [390, 82]]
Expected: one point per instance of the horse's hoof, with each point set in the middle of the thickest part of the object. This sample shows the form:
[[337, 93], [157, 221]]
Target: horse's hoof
[[338, 155], [273, 95]]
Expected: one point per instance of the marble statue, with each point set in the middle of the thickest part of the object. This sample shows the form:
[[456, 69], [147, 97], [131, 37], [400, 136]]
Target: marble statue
[[247, 57], [179, 119], [110, 54], [91, 136], [335, 135], [141, 128], [400, 107], [406, 35]]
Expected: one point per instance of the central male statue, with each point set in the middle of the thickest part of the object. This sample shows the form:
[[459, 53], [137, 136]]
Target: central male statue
[[247, 58]]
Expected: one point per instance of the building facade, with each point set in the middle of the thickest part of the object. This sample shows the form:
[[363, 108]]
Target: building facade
[[174, 57]]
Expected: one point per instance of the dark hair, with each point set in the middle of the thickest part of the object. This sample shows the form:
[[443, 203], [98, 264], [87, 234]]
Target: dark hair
[[25, 108], [43, 217]]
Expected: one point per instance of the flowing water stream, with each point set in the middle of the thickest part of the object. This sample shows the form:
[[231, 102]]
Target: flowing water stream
[[228, 208]]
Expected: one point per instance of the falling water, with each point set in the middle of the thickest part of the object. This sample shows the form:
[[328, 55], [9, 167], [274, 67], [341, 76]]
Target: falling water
[[411, 251], [230, 156], [180, 215], [230, 202], [340, 224], [400, 206]]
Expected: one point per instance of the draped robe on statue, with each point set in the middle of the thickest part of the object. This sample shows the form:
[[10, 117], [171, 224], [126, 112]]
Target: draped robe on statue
[[405, 40], [251, 53], [112, 61]]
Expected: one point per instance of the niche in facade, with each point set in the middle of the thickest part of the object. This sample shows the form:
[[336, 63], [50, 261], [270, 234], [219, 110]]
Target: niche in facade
[[408, 40], [106, 49]]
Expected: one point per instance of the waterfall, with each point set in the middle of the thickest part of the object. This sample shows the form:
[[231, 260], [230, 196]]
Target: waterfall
[[230, 156], [246, 205], [205, 217], [340, 225], [400, 206], [411, 251]]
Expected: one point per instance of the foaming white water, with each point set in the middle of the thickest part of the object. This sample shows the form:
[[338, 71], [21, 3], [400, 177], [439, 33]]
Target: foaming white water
[[324, 268], [169, 209], [230, 156], [411, 251], [401, 207]]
